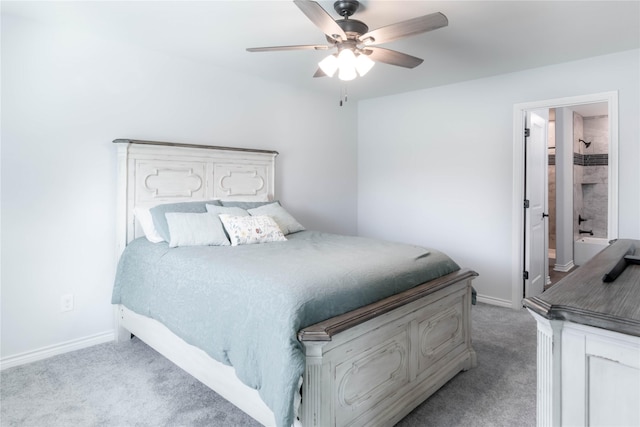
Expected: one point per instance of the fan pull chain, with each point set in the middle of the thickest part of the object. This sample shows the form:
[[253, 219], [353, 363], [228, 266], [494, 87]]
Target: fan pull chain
[[344, 96]]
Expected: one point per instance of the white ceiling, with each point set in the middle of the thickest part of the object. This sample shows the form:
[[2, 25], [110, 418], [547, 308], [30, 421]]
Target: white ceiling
[[483, 38]]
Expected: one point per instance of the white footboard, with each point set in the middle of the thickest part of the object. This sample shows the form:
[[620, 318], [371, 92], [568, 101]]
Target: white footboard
[[378, 371], [371, 366]]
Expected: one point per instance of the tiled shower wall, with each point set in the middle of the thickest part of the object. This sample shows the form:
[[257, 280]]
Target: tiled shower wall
[[590, 181]]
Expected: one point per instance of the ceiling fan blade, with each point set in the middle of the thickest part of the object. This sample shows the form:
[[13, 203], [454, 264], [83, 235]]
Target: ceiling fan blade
[[319, 73], [294, 47], [321, 19], [406, 28], [392, 57]]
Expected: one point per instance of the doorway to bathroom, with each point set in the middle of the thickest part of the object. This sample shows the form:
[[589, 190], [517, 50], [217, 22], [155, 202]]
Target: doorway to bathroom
[[583, 189], [578, 158]]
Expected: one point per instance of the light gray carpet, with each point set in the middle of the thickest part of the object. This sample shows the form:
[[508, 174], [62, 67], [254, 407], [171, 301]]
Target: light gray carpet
[[129, 384]]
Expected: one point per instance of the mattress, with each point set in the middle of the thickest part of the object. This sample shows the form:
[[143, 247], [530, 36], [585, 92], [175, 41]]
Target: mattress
[[243, 305]]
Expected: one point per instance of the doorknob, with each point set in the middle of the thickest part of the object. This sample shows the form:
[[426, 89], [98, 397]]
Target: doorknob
[[545, 215]]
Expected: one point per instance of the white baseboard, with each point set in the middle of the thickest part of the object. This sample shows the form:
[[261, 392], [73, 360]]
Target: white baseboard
[[56, 349], [563, 267], [494, 301]]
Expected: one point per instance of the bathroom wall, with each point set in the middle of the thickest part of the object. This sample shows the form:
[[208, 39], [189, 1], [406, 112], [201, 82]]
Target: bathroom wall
[[591, 174]]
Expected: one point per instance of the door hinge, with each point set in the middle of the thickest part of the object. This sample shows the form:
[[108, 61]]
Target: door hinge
[[526, 204], [527, 132], [525, 275]]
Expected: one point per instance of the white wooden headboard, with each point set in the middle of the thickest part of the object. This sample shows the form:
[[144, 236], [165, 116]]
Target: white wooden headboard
[[151, 173]]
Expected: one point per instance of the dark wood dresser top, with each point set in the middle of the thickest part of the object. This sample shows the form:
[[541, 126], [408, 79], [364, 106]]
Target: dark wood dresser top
[[582, 297]]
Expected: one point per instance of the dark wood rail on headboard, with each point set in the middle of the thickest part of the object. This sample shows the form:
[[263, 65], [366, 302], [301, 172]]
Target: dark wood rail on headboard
[[177, 144]]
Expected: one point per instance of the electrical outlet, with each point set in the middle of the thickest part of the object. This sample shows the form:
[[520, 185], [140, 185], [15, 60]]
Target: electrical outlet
[[66, 302]]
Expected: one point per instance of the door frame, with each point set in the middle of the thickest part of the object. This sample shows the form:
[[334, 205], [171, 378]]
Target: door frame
[[517, 213]]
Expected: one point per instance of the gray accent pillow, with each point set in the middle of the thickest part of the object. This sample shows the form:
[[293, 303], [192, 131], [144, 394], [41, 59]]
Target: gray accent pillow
[[243, 205], [195, 229], [160, 221], [287, 223]]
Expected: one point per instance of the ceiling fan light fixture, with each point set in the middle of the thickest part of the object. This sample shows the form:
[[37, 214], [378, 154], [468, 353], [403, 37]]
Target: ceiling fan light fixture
[[329, 65], [347, 64], [363, 64]]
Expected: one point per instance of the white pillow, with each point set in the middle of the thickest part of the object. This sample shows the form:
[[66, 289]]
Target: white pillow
[[195, 229], [146, 222], [247, 230], [227, 210], [284, 219]]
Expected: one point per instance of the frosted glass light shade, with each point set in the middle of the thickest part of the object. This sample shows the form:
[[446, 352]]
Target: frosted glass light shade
[[347, 65], [329, 65], [347, 73], [363, 64]]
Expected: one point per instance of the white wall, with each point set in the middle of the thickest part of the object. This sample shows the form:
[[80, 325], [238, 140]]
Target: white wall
[[65, 97], [435, 166]]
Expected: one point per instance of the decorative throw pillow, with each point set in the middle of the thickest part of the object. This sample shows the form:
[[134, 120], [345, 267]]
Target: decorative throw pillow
[[160, 221], [146, 222], [284, 219], [247, 230], [195, 229], [233, 211]]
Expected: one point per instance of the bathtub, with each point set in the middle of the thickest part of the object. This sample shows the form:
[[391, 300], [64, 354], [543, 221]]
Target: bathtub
[[586, 248]]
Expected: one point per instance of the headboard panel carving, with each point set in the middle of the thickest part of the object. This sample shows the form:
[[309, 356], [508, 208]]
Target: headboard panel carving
[[240, 181], [150, 173], [164, 180]]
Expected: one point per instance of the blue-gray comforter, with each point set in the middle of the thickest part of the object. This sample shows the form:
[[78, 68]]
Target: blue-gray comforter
[[243, 305]]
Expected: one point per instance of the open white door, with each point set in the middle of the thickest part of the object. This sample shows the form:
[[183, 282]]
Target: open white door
[[535, 203]]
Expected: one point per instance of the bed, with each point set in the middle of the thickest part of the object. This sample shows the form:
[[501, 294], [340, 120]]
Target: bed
[[330, 353]]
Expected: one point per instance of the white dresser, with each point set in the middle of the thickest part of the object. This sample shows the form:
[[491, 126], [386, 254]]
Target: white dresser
[[588, 355]]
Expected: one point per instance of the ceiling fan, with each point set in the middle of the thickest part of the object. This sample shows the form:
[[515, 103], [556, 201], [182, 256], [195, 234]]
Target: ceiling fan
[[357, 49]]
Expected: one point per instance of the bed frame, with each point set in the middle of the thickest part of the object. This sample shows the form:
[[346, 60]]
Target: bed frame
[[370, 366]]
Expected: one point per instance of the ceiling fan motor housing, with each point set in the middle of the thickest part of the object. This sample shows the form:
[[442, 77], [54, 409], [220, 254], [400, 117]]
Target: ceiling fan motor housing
[[352, 27]]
